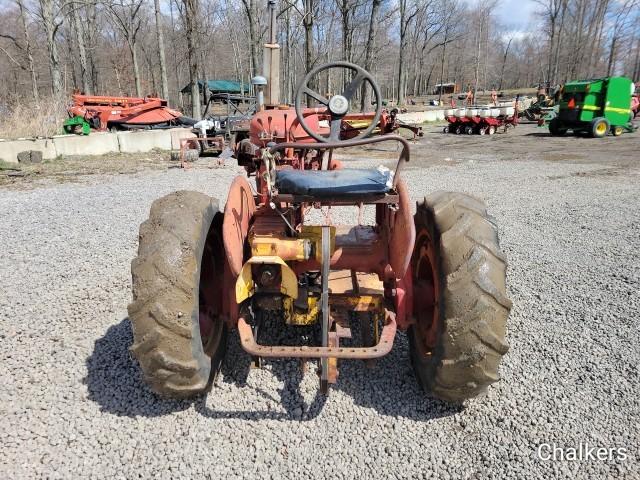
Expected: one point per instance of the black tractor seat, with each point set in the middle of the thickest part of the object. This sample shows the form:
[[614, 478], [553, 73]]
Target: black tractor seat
[[327, 184]]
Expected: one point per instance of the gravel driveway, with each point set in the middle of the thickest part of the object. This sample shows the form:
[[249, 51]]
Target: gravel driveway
[[72, 404]]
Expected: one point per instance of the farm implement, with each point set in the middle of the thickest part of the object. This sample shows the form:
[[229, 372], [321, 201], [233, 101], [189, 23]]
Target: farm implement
[[123, 113], [595, 107], [480, 120]]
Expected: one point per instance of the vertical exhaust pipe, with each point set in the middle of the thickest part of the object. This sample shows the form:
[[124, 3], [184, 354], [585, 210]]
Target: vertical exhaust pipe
[[271, 59]]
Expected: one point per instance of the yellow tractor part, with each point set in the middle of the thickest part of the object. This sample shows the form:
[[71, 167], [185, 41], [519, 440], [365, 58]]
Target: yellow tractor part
[[285, 248], [314, 234], [296, 316], [303, 247], [245, 286]]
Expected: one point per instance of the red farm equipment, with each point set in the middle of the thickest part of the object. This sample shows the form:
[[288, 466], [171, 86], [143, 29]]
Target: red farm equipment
[[266, 263], [126, 113], [438, 274], [480, 120]]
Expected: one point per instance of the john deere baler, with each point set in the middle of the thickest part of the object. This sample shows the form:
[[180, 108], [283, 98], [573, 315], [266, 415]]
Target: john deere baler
[[595, 107]]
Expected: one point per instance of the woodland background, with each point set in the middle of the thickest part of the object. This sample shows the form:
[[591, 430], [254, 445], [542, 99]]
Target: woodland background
[[48, 48]]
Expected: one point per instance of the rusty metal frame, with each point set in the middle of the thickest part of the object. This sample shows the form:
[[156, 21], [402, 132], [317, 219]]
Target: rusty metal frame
[[344, 201], [383, 347]]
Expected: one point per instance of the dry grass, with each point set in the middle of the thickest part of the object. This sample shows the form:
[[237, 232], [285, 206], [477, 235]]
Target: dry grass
[[26, 118]]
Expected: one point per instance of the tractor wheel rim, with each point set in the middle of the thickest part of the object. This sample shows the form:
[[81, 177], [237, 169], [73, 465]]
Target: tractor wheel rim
[[210, 293], [601, 128], [426, 292]]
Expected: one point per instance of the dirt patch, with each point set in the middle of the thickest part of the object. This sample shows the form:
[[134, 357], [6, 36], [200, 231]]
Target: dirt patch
[[617, 155], [73, 169]]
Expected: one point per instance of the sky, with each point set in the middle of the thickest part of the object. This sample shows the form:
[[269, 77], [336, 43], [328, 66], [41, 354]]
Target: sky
[[516, 14]]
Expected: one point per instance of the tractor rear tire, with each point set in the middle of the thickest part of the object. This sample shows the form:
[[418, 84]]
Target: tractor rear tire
[[458, 339], [599, 127], [179, 336]]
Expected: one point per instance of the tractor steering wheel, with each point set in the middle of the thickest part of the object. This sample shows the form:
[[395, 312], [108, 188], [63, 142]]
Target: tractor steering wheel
[[338, 105]]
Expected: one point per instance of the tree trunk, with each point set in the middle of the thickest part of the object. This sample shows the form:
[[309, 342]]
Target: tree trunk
[[191, 19], [175, 63], [578, 40], [552, 36], [160, 38], [477, 67], [308, 34], [136, 69], [504, 62], [91, 30], [597, 21], [444, 49], [402, 4], [307, 21], [288, 76], [29, 52], [556, 61], [69, 60], [612, 56], [51, 30], [85, 76], [368, 55], [249, 7], [636, 64]]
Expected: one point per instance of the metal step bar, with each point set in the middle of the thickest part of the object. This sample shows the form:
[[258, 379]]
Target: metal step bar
[[358, 353]]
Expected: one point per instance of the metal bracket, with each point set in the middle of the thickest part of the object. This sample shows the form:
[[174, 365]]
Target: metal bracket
[[326, 261]]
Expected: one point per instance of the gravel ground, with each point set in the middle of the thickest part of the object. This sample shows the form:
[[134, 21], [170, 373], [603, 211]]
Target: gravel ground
[[72, 404]]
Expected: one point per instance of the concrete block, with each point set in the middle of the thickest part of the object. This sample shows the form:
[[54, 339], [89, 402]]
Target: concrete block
[[421, 117], [30, 156], [144, 141], [179, 133], [9, 150], [93, 144]]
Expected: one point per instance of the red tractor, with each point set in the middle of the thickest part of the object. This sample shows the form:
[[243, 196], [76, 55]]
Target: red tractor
[[437, 274]]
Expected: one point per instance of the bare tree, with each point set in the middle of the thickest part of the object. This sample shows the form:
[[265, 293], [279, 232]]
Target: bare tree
[[51, 25], [447, 20], [348, 10], [251, 12], [26, 50], [620, 25], [160, 39], [504, 61], [554, 11], [126, 15], [369, 49], [80, 36], [406, 17], [307, 21], [191, 30]]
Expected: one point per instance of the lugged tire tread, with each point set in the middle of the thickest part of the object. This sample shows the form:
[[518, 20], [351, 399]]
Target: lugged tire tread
[[474, 300], [165, 310]]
